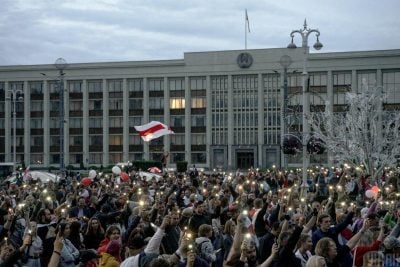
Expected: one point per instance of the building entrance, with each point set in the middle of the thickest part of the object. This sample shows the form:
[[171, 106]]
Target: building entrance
[[244, 160]]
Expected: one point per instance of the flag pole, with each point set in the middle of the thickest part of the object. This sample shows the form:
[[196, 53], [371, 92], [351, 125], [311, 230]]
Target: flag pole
[[245, 29]]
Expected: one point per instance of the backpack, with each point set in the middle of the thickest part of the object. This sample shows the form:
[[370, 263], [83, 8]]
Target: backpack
[[200, 251]]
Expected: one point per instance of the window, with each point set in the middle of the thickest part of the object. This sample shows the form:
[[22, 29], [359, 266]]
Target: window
[[37, 106], [95, 105], [135, 103], [177, 121], [54, 105], [76, 140], [391, 86], [76, 158], [198, 83], [156, 84], [36, 159], [199, 158], [36, 87], [96, 158], [176, 84], [36, 123], [176, 157], [198, 120], [75, 123], [54, 122], [20, 123], [36, 140], [75, 105], [96, 140], [177, 103], [341, 85], [54, 158], [115, 140], [116, 104], [116, 122], [156, 118], [96, 122], [75, 86], [95, 86], [366, 80], [54, 87], [199, 102], [114, 86], [135, 140], [135, 85], [177, 139], [156, 103], [198, 139], [135, 121], [54, 140], [115, 157]]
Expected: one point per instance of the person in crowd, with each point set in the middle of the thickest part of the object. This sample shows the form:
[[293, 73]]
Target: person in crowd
[[69, 253], [203, 242], [113, 232], [94, 234], [110, 257]]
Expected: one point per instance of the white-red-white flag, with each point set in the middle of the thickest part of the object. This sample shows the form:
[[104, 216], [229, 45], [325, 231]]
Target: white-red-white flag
[[153, 130]]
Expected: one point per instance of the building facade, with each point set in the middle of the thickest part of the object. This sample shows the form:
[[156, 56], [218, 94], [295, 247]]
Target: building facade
[[227, 108]]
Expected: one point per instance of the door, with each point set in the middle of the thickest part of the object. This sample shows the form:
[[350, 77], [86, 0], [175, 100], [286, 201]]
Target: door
[[244, 160]]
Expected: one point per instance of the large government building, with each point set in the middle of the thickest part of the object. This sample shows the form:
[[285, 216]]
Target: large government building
[[225, 107]]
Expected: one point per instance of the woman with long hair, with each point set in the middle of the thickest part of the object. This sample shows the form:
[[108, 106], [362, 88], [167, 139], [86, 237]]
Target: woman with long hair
[[94, 234], [69, 253]]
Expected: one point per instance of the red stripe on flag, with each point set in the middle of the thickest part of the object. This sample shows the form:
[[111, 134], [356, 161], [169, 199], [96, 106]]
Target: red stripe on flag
[[151, 130]]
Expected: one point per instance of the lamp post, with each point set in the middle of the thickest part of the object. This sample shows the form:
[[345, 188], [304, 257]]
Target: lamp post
[[304, 33], [61, 64], [14, 93]]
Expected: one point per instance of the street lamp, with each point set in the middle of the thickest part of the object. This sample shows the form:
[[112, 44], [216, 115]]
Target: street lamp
[[304, 33], [61, 64], [14, 94]]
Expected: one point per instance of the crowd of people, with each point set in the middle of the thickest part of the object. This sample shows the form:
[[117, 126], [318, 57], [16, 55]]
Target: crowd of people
[[342, 217]]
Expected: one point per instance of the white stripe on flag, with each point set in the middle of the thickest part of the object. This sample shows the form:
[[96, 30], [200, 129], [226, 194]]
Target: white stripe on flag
[[153, 130]]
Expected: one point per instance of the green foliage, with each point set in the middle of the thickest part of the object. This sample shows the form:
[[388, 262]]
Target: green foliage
[[70, 167]]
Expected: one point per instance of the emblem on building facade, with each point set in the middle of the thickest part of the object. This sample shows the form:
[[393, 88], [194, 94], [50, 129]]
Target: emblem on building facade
[[244, 60]]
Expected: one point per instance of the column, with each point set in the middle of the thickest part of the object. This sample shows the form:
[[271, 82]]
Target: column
[[7, 123], [208, 121], [46, 124], [354, 88], [66, 124], [188, 127], [167, 139], [85, 123], [125, 130], [27, 124], [260, 121], [230, 123], [106, 148], [146, 150]]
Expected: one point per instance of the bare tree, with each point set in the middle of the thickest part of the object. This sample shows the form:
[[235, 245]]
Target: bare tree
[[365, 134]]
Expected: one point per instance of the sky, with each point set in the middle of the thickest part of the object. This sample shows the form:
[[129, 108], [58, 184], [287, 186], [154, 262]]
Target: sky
[[40, 31]]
